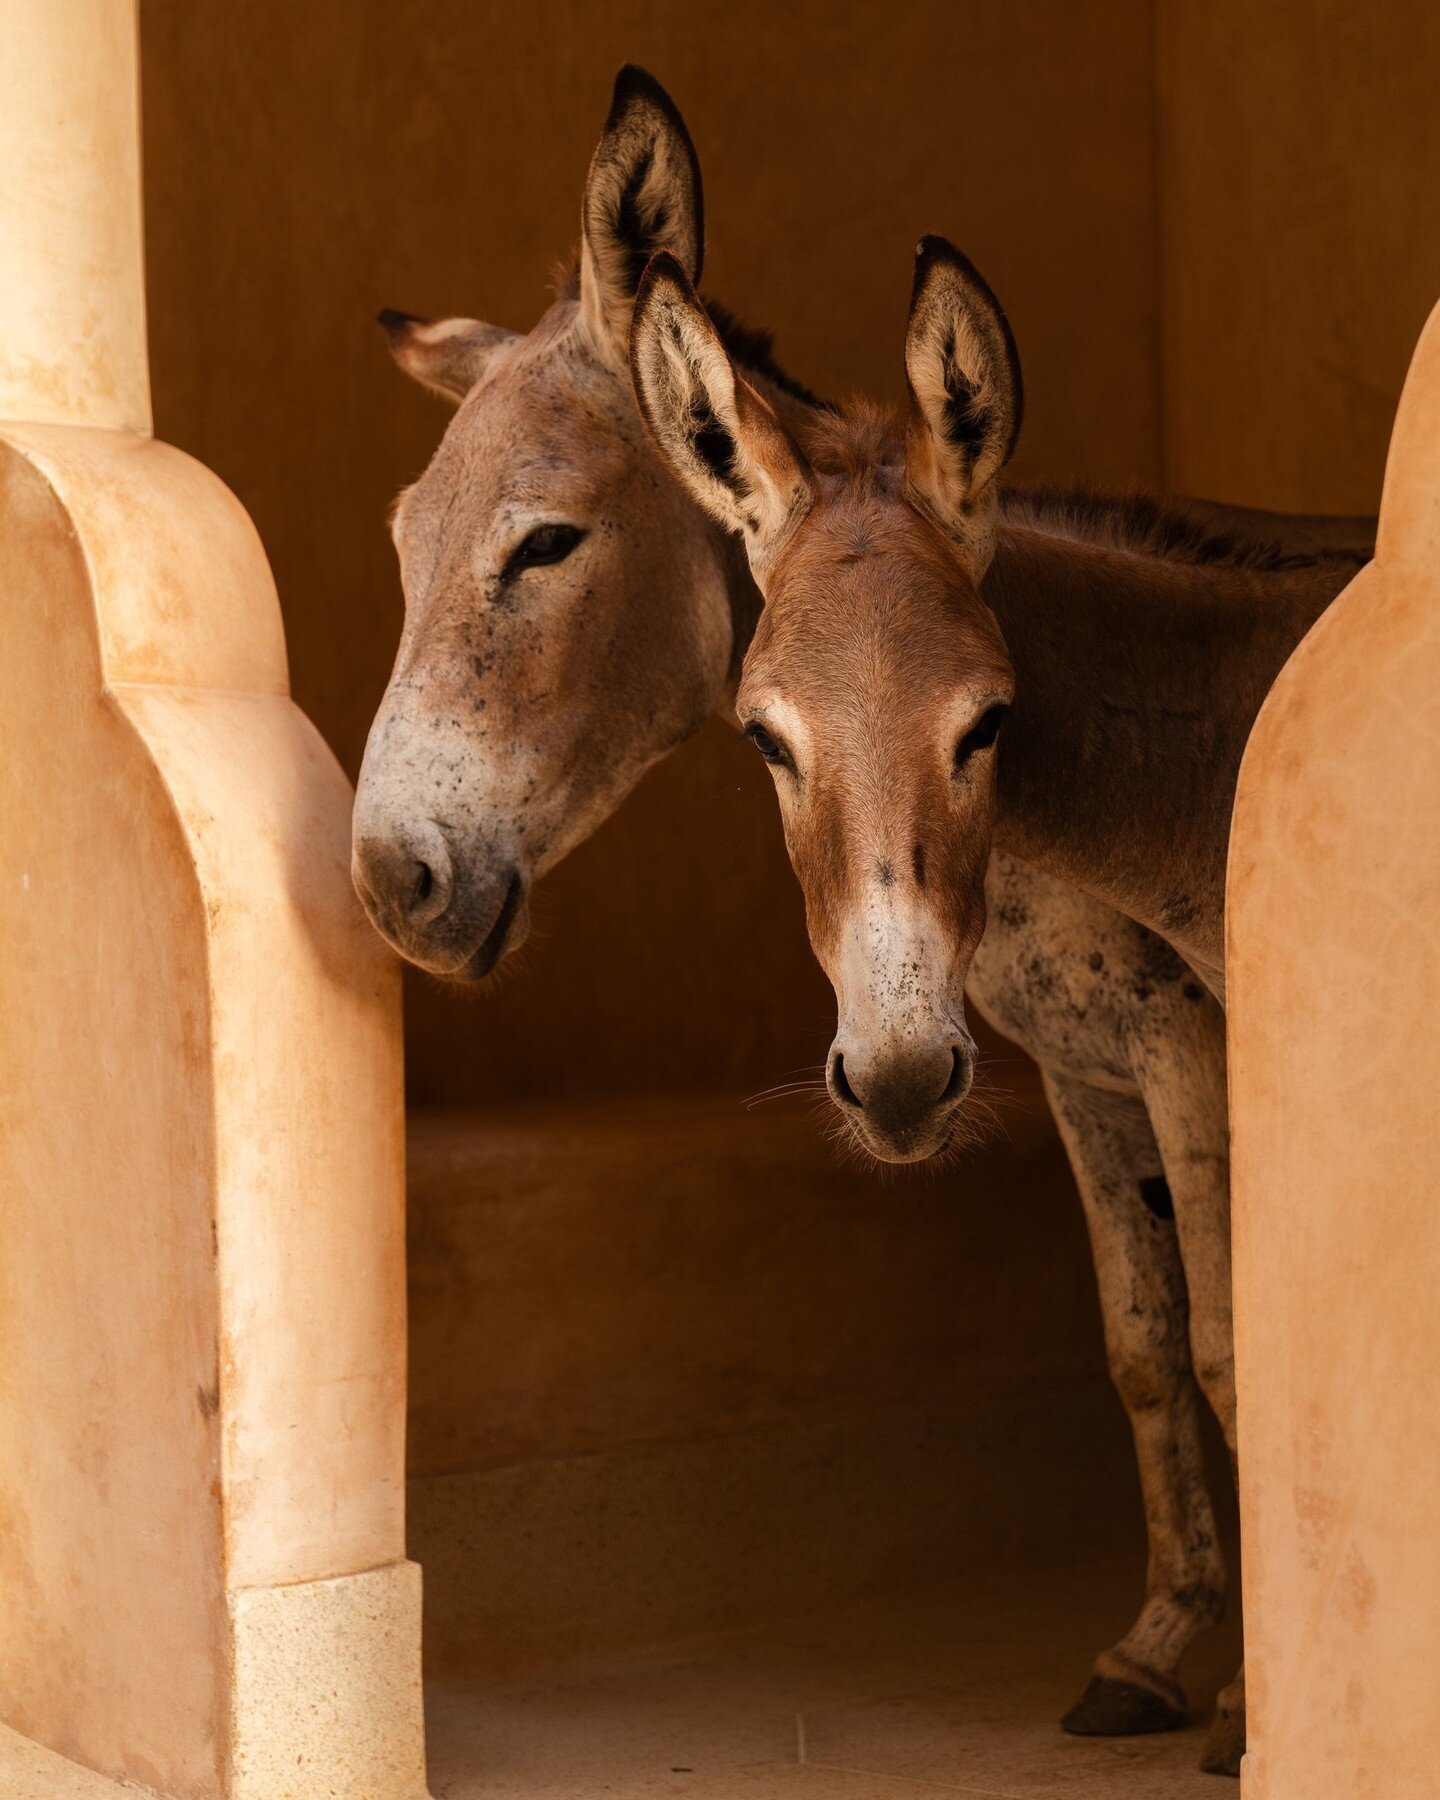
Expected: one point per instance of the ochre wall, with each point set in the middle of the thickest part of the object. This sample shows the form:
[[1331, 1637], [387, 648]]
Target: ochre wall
[[1336, 1139], [1300, 175], [307, 165]]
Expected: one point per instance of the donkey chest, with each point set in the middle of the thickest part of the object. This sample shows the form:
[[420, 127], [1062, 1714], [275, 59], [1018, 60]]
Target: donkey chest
[[1079, 986]]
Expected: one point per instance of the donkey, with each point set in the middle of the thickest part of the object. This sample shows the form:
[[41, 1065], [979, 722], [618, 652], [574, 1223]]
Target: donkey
[[571, 616], [916, 620]]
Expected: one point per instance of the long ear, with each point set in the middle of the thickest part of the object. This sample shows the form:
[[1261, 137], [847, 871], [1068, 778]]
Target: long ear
[[642, 195], [447, 356], [966, 397], [718, 435]]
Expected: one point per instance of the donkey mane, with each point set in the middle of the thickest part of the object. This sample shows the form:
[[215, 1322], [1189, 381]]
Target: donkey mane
[[1143, 525], [859, 441], [864, 444], [753, 349]]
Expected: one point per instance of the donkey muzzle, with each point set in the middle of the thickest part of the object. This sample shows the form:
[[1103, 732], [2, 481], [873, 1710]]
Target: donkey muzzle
[[450, 919], [901, 1101]]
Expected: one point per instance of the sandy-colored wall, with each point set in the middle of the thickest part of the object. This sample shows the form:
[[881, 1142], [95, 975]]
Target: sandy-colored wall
[[202, 1405], [559, 1267], [1301, 179], [1336, 1139], [307, 165], [1300, 174]]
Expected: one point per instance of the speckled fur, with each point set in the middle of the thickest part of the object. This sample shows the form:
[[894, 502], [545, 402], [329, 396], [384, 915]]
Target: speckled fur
[[894, 598], [1132, 1048]]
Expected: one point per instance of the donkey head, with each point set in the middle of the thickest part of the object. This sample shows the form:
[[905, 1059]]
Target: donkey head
[[877, 679], [566, 613]]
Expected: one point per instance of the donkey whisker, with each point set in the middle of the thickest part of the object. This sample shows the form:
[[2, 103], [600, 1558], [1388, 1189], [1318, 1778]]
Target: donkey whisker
[[806, 1080]]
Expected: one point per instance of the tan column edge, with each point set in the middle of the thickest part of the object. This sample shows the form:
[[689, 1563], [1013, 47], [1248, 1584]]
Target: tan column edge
[[72, 288], [1334, 1020]]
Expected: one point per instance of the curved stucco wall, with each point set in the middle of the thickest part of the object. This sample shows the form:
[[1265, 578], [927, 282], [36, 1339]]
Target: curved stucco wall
[[1334, 972], [201, 1182]]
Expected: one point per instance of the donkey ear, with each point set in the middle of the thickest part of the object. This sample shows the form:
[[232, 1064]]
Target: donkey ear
[[720, 438], [642, 195], [966, 398], [446, 356]]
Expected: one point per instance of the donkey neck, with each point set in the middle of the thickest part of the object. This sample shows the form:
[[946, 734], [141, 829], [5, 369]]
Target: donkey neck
[[1138, 678]]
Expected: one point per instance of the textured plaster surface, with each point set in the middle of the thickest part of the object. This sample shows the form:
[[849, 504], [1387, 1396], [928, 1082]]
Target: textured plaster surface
[[585, 1275], [72, 291], [201, 1185], [203, 1166], [1335, 866], [29, 1772], [327, 1699], [111, 1551]]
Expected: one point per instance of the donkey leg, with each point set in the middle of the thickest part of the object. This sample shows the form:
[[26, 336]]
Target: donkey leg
[[1184, 1088], [1225, 1741], [1142, 1296]]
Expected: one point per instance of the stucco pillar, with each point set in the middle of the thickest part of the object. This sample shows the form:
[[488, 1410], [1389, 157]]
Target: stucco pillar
[[202, 1332], [1334, 979]]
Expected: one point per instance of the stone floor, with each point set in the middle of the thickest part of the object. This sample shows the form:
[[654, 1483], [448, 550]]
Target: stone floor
[[953, 1692], [29, 1773]]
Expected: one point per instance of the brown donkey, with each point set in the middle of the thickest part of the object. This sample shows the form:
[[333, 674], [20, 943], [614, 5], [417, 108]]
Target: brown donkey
[[909, 613], [964, 698], [571, 616]]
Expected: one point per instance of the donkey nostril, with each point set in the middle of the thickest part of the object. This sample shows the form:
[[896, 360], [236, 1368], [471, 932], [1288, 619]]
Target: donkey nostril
[[839, 1086], [423, 885], [404, 875], [955, 1087]]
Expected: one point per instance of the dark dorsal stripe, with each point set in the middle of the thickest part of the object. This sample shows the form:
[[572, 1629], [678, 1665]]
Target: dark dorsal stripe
[[1147, 526]]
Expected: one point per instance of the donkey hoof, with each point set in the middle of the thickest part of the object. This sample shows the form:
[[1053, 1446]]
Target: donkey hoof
[[1110, 1708], [1225, 1744]]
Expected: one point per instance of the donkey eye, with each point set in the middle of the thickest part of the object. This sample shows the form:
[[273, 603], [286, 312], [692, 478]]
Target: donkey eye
[[769, 747], [981, 735], [545, 544]]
